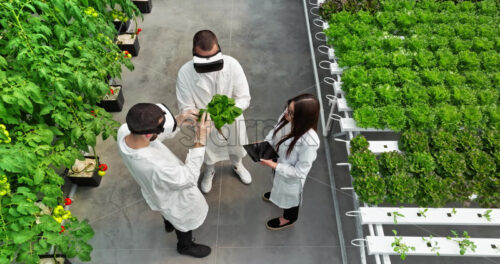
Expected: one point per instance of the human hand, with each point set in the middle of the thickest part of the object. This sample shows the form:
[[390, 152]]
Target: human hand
[[203, 129], [188, 117], [269, 163]]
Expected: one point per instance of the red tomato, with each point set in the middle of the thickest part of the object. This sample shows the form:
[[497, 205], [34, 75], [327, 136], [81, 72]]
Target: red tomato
[[67, 201]]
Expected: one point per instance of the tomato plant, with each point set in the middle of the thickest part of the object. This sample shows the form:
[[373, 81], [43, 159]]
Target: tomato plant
[[56, 57]]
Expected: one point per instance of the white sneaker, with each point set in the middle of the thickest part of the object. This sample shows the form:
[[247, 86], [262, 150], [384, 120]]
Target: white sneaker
[[206, 182], [244, 174]]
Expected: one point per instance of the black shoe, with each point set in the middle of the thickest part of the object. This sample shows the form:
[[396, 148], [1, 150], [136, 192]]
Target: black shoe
[[194, 250], [168, 226], [266, 197], [274, 224]]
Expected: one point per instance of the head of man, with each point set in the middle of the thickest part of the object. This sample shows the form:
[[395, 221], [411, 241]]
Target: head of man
[[149, 120], [207, 56]]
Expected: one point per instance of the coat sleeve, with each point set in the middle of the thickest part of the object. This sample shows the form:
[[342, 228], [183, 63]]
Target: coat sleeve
[[182, 91], [179, 177], [241, 91], [306, 156]]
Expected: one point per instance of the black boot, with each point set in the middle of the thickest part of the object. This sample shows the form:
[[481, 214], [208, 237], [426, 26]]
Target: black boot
[[194, 250]]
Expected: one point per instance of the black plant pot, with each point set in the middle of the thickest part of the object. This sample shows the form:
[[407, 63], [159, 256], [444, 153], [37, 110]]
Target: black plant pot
[[113, 105], [120, 26], [63, 258], [144, 6], [93, 180], [126, 45]]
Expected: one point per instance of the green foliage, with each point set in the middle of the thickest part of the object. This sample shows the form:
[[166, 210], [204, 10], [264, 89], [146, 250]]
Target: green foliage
[[371, 189], [430, 70], [463, 242], [222, 110], [399, 247], [55, 60], [391, 163], [414, 141], [401, 188], [433, 191], [359, 144], [421, 163], [364, 163]]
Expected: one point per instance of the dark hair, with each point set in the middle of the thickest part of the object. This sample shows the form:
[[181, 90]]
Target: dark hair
[[143, 117], [305, 117], [205, 40]]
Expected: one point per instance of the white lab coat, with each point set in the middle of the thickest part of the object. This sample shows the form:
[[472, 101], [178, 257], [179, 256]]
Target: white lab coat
[[168, 185], [291, 172], [195, 91]]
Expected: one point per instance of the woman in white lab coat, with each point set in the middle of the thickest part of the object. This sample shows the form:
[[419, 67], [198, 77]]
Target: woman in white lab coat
[[295, 139]]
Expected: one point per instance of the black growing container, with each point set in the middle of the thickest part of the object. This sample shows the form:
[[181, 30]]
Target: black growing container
[[144, 6], [132, 48], [93, 181], [113, 105], [48, 256], [121, 26]]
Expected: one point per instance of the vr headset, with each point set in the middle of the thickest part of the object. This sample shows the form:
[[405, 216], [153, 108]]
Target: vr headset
[[169, 124], [204, 64]]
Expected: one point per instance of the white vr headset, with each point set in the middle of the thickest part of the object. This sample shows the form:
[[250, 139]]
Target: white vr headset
[[204, 64]]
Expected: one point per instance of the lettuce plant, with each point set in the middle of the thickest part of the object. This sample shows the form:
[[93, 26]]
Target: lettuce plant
[[370, 189], [450, 163], [401, 187], [460, 45], [468, 60], [433, 191], [362, 95], [463, 96], [480, 162], [402, 58], [404, 74], [439, 94], [487, 97], [393, 117], [468, 139], [421, 117], [446, 59], [449, 117], [359, 144], [432, 77], [367, 116], [443, 140], [421, 163], [425, 58], [391, 163], [388, 94], [363, 163], [472, 116], [414, 141]]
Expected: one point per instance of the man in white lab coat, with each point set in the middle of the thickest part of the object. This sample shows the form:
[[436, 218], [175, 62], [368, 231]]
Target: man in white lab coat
[[167, 184], [207, 74]]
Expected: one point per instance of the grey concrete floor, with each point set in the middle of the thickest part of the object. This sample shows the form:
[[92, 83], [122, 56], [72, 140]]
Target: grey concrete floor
[[269, 39]]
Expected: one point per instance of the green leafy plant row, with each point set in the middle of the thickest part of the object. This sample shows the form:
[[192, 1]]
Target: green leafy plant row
[[436, 168], [420, 64], [56, 57]]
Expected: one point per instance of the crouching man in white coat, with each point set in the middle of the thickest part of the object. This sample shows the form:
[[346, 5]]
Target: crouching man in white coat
[[208, 74], [167, 184]]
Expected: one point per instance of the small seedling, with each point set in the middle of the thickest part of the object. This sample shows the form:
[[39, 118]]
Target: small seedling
[[464, 243], [422, 212], [395, 215], [487, 215], [434, 248], [400, 247], [453, 211]]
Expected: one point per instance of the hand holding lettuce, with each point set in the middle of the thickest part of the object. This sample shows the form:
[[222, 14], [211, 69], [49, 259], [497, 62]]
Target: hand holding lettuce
[[222, 110]]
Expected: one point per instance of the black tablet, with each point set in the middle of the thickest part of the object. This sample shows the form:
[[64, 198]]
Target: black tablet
[[261, 150]]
